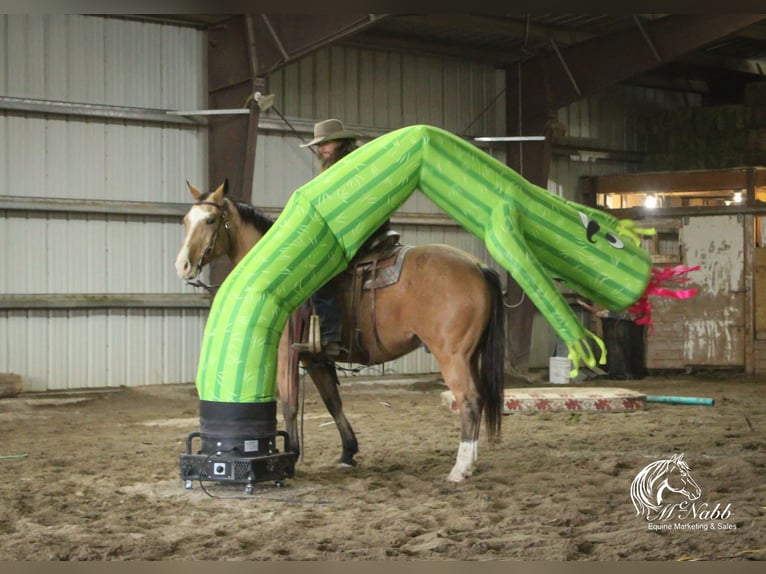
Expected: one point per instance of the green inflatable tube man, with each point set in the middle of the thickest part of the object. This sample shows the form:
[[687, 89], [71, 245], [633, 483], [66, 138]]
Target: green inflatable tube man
[[538, 237]]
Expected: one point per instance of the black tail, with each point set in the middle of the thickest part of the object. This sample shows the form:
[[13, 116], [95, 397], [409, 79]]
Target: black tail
[[492, 355]]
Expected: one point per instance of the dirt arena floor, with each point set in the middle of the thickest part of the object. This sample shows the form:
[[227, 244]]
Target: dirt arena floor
[[95, 476]]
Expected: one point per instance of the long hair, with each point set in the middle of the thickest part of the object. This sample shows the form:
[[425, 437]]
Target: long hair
[[345, 147]]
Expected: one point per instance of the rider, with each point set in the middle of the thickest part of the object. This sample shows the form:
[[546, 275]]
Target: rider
[[333, 142]]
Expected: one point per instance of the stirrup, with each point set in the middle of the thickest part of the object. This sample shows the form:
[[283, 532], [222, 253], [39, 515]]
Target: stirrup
[[303, 348], [332, 349], [314, 345]]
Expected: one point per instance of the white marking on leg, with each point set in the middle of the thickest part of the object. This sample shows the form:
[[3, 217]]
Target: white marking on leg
[[466, 457]]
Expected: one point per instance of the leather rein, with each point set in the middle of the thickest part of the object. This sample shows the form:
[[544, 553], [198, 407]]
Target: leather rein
[[211, 244]]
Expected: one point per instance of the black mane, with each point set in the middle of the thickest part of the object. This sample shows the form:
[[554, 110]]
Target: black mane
[[250, 214], [253, 216]]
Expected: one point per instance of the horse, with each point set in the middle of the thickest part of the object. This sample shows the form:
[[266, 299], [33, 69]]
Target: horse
[[445, 299], [659, 478]]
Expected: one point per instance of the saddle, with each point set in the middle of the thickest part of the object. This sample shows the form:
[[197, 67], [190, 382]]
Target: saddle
[[370, 271], [376, 266]]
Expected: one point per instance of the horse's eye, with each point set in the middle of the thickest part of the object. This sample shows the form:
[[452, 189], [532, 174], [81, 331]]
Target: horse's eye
[[210, 221]]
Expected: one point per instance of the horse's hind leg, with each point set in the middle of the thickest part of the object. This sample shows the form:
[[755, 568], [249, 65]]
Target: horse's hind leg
[[459, 376], [325, 378]]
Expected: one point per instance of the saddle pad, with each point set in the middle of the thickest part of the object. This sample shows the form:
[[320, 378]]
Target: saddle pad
[[578, 399]]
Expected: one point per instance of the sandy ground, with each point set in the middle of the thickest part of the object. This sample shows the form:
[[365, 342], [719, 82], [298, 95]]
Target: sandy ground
[[94, 476]]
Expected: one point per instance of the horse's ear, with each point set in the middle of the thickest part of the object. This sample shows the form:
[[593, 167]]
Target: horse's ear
[[225, 187], [220, 192], [194, 191]]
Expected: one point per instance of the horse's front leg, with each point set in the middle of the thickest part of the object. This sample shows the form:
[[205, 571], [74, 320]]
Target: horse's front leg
[[287, 382], [325, 377]]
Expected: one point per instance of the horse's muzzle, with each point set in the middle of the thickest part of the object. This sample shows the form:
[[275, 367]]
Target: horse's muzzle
[[185, 270]]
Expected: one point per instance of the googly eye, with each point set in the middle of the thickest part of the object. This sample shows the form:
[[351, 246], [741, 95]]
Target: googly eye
[[583, 219], [614, 241]]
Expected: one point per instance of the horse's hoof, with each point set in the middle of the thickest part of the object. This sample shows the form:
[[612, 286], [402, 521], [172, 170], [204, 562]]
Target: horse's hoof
[[458, 477]]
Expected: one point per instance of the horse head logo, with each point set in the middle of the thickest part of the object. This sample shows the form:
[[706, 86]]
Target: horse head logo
[[659, 479]]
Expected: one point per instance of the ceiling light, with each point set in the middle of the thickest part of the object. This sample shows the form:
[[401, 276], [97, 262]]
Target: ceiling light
[[510, 139]]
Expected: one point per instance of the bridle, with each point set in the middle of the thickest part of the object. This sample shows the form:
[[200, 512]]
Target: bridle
[[211, 244]]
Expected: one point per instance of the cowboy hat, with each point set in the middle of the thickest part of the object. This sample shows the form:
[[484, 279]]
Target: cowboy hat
[[330, 130]]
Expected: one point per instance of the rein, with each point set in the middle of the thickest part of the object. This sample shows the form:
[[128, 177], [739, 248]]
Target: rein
[[198, 282]]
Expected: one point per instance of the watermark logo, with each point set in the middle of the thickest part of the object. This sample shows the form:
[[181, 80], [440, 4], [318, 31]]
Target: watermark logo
[[667, 496]]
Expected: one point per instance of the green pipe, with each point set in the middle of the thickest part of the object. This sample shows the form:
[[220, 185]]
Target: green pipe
[[679, 400]]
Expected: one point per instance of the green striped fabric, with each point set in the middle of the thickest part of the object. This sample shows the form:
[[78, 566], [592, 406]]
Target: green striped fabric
[[535, 235]]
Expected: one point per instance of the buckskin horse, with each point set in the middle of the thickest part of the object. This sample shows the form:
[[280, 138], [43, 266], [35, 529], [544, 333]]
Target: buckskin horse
[[444, 299]]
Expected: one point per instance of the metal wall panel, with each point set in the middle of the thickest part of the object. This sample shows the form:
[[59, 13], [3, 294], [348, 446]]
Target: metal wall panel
[[69, 348], [98, 60], [89, 253], [90, 159], [373, 92], [281, 167], [609, 120], [90, 60]]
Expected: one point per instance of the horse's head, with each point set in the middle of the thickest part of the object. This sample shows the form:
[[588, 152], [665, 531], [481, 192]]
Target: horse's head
[[206, 231], [679, 480], [651, 485]]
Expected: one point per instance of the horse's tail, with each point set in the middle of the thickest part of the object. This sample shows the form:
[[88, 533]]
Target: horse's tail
[[492, 357]]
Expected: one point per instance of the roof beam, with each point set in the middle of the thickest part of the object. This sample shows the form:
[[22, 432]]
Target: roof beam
[[738, 65], [284, 38], [544, 83], [398, 44], [494, 25], [753, 32]]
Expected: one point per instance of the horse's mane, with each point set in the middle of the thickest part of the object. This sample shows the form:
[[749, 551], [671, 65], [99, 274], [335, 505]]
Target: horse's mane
[[642, 488], [250, 214], [253, 216]]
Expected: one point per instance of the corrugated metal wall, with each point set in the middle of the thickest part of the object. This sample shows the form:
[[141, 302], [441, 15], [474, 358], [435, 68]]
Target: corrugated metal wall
[[114, 157], [55, 250], [372, 92], [608, 120]]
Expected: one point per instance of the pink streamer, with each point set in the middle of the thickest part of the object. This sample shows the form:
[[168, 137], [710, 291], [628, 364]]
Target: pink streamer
[[674, 275]]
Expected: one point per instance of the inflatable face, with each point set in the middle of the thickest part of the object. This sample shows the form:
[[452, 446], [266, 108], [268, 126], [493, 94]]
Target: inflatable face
[[539, 238]]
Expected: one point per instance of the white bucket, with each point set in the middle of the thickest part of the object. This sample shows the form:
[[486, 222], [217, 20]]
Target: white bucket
[[559, 368]]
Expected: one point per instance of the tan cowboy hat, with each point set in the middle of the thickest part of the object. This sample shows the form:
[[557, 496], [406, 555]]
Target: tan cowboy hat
[[330, 130]]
